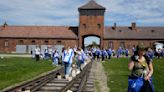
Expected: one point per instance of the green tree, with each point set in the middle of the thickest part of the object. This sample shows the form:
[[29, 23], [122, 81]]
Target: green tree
[[94, 44]]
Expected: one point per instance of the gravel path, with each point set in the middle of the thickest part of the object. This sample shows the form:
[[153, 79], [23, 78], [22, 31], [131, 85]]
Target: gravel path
[[100, 77], [14, 55]]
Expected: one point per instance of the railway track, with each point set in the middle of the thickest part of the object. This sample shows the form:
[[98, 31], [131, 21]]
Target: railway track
[[82, 82]]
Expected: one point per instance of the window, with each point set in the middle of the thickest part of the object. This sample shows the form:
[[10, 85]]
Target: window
[[20, 41], [46, 42], [33, 41], [84, 25], [122, 44], [99, 26], [152, 31], [110, 44], [58, 41], [6, 44]]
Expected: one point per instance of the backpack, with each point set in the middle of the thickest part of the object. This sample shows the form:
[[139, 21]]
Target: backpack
[[67, 58]]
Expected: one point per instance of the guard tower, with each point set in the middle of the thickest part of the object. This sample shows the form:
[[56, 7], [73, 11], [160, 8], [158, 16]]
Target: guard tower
[[91, 21]]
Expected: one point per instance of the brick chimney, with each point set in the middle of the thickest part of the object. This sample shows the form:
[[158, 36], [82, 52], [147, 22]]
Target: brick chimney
[[5, 24], [114, 26], [133, 25]]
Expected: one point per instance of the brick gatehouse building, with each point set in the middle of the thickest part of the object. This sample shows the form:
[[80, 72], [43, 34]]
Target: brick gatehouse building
[[22, 39]]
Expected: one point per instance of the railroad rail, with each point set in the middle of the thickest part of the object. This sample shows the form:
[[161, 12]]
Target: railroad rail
[[50, 83]]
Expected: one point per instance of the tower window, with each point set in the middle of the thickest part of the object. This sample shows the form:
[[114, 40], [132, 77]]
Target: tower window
[[99, 26], [84, 25], [152, 31]]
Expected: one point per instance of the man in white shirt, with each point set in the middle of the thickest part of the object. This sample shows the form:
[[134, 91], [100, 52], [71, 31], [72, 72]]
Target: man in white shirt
[[37, 53]]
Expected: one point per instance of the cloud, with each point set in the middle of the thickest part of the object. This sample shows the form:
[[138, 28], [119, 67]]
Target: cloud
[[124, 11], [64, 12]]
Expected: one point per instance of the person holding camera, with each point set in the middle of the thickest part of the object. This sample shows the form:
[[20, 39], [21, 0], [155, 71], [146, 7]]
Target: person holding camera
[[141, 67]]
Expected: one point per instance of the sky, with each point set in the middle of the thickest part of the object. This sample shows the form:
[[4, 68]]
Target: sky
[[90, 40], [65, 12]]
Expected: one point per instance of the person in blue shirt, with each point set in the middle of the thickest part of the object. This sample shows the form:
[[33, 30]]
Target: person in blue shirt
[[67, 59], [80, 58], [98, 54], [119, 52], [150, 53], [55, 57], [162, 53], [126, 52], [46, 55], [109, 51], [94, 52], [103, 54]]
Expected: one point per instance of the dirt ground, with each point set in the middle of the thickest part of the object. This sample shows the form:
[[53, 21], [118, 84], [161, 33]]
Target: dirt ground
[[100, 77]]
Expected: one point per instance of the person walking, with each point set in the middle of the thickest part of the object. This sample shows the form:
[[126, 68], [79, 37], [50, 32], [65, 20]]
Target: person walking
[[37, 53], [109, 51], [80, 58], [55, 56], [141, 67], [67, 58]]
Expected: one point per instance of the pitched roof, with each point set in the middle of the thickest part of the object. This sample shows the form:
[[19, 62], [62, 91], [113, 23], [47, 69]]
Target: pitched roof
[[37, 32], [91, 5], [72, 32], [139, 33]]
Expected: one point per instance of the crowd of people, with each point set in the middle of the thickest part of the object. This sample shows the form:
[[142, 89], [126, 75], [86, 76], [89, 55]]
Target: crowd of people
[[78, 56], [94, 53]]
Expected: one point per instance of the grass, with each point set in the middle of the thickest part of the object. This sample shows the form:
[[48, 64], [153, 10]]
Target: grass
[[97, 86], [15, 70], [117, 73]]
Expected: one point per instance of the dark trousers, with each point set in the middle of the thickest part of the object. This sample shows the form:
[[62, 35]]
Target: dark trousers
[[94, 56], [37, 57], [109, 56], [146, 87], [103, 57]]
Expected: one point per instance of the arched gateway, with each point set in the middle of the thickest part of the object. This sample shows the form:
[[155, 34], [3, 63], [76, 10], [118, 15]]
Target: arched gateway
[[91, 22], [90, 40], [23, 39]]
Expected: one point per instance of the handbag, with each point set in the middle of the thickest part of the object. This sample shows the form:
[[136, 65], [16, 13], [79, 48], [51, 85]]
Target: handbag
[[135, 83]]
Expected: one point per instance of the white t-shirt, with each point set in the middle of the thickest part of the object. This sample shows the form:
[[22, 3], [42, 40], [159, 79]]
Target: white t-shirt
[[37, 51], [67, 56]]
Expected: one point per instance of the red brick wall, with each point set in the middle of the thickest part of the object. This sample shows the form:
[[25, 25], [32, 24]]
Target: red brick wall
[[92, 27], [9, 48], [69, 42], [13, 42], [128, 43]]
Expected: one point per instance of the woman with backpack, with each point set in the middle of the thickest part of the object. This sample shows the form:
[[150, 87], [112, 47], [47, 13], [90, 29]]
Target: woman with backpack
[[141, 68], [67, 59], [80, 58]]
